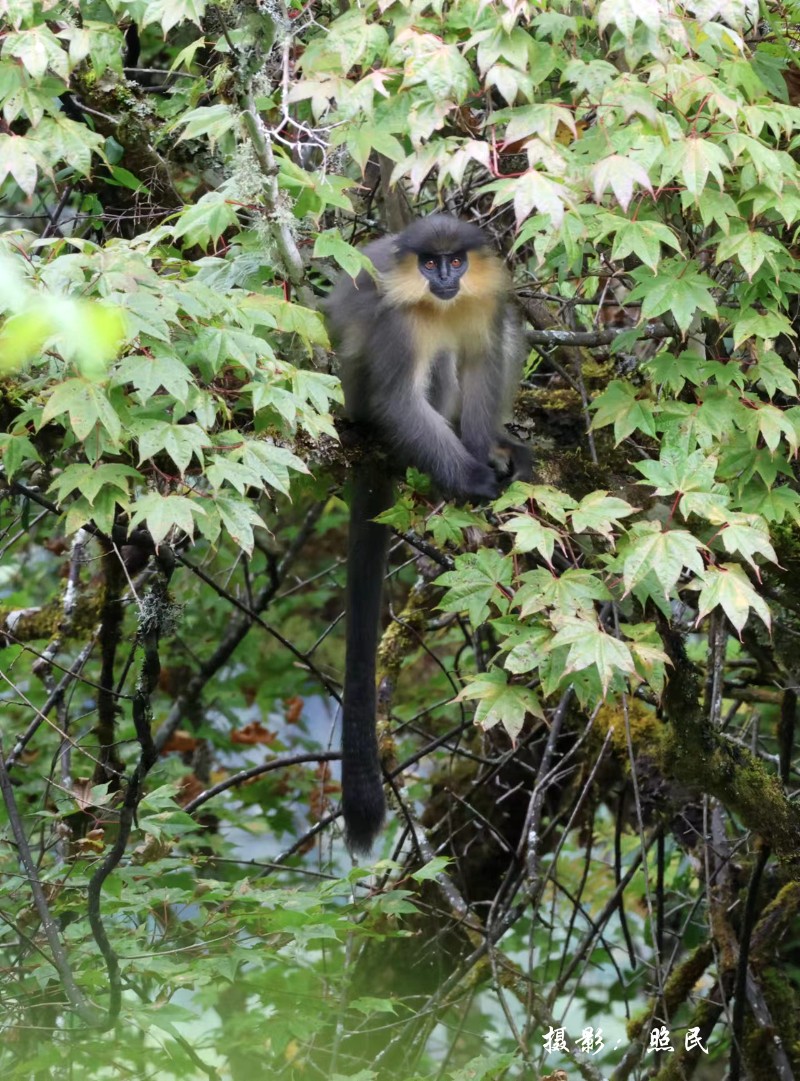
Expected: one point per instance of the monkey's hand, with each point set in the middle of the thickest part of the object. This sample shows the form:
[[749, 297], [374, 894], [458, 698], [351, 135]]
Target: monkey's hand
[[481, 482]]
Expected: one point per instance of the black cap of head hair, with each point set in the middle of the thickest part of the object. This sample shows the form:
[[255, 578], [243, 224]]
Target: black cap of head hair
[[440, 234]]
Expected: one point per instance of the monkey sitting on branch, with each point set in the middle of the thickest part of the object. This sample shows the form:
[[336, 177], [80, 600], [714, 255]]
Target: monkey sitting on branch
[[430, 353]]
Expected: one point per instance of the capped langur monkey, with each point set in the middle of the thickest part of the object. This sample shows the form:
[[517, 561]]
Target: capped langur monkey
[[430, 357]]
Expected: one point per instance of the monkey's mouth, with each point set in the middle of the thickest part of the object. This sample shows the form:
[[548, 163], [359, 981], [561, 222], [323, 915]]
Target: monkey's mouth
[[444, 292]]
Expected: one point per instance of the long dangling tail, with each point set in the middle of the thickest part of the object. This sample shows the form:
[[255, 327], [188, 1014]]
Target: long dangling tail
[[363, 801]]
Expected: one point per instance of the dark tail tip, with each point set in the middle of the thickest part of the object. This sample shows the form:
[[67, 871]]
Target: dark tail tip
[[364, 812]]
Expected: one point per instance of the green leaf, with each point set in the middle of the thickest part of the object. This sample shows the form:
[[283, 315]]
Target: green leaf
[[437, 64], [352, 40], [751, 248], [549, 500], [648, 654], [625, 14], [714, 206], [19, 159], [590, 77], [37, 50], [432, 869], [535, 191], [149, 314], [678, 287], [179, 441], [271, 463], [87, 333], [369, 1005], [774, 375], [676, 471], [500, 702], [103, 511], [157, 368], [206, 221], [619, 405], [125, 179], [526, 649], [772, 423], [293, 319], [746, 534], [765, 325], [773, 504], [543, 119], [170, 13], [692, 160], [60, 139], [448, 525], [643, 239], [485, 1067], [331, 244], [22, 337], [98, 40], [367, 137], [15, 450], [480, 579]]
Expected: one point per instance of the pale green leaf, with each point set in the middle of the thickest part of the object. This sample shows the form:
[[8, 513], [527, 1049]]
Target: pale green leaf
[[239, 519], [20, 159], [211, 120], [600, 511], [665, 554], [531, 535], [500, 702], [480, 579], [88, 480], [727, 587], [206, 221], [163, 513], [620, 174], [170, 13], [590, 646]]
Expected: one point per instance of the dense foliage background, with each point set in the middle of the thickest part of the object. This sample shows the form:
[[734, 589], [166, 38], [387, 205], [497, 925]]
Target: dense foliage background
[[588, 690]]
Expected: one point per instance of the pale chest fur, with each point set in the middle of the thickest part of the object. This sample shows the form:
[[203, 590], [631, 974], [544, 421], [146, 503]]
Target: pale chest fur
[[460, 328]]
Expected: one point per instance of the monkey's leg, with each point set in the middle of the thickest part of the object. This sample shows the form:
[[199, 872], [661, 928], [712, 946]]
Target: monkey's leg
[[363, 801]]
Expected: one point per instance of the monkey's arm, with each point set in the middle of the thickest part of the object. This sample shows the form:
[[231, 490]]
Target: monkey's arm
[[423, 437], [488, 388], [416, 431]]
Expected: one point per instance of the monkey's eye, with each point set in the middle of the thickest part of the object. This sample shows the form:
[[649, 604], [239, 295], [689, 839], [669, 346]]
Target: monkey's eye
[[430, 264], [456, 263]]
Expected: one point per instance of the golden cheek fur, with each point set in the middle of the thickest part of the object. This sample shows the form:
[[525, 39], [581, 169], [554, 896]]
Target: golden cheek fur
[[485, 279], [404, 286]]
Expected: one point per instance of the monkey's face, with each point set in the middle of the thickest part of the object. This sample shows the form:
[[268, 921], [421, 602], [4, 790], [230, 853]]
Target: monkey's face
[[442, 272]]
